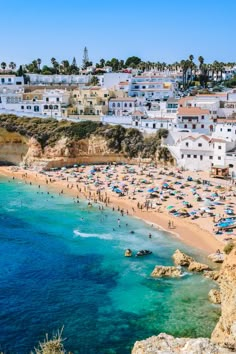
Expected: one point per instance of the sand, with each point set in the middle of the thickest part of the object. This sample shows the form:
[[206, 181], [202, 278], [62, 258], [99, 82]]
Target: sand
[[79, 182]]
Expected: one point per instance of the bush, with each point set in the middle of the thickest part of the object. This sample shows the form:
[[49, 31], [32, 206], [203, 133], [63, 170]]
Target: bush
[[228, 247]]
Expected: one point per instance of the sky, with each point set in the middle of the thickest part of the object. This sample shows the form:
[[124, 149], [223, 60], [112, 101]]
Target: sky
[[154, 30]]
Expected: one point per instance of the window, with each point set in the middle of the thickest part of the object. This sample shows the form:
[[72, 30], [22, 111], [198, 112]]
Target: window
[[202, 126], [47, 99], [22, 107], [58, 99], [231, 165], [154, 126], [182, 156], [210, 157], [45, 106], [125, 105], [118, 104], [188, 156], [161, 125], [219, 147], [194, 156], [113, 104], [219, 157], [36, 108], [201, 157], [186, 144], [28, 107], [199, 144], [221, 129], [146, 125], [194, 126], [228, 130], [202, 117], [185, 126]]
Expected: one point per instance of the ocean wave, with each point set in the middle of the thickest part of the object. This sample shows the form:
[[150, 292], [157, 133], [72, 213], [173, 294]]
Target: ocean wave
[[78, 233]]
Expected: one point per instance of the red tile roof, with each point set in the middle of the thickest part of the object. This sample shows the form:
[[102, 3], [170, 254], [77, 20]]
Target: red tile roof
[[192, 111]]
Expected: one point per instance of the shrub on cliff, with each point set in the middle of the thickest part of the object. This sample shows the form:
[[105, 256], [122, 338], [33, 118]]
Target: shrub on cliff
[[51, 346], [228, 247]]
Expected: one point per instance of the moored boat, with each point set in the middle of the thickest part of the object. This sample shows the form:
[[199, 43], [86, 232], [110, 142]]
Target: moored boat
[[143, 253]]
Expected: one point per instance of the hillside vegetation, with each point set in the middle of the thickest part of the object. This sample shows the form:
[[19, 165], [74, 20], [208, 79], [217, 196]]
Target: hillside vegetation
[[47, 131]]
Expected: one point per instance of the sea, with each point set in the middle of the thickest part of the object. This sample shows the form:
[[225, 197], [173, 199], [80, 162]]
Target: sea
[[62, 267]]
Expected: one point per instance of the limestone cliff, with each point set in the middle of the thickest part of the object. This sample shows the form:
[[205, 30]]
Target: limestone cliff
[[13, 147], [17, 149], [223, 339], [225, 330]]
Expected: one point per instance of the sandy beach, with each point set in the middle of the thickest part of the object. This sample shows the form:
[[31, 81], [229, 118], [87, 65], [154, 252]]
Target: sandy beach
[[147, 193]]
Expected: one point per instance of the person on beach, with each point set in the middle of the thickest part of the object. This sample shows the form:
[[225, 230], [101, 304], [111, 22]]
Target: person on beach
[[169, 224]]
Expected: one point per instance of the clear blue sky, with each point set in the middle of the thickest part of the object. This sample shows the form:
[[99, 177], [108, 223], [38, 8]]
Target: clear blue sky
[[155, 30]]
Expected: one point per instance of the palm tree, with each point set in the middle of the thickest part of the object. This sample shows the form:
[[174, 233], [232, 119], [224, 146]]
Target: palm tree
[[12, 65], [53, 60], [3, 65], [201, 61], [39, 61]]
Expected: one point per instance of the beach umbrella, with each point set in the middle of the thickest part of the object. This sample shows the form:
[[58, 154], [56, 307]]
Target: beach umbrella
[[150, 190], [193, 212], [75, 165], [170, 207]]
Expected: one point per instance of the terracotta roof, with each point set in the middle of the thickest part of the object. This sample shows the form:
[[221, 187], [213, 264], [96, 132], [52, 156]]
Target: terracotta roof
[[192, 111], [138, 113], [225, 120], [207, 138], [197, 137], [123, 83], [217, 140]]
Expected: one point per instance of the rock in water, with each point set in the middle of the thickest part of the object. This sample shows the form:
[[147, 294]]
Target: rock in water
[[198, 267], [166, 344], [214, 296], [181, 258], [164, 271], [211, 274]]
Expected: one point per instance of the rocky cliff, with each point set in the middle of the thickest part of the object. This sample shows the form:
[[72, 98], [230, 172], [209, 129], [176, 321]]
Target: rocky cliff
[[66, 151], [17, 149], [224, 333], [13, 147], [223, 339]]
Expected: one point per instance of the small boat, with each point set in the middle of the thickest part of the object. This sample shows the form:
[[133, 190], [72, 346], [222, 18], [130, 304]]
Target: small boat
[[143, 253], [128, 253]]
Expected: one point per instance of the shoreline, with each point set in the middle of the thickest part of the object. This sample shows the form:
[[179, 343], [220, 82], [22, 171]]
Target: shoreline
[[191, 234]]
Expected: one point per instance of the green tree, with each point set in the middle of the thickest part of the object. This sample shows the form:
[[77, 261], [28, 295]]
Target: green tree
[[134, 61], [94, 81]]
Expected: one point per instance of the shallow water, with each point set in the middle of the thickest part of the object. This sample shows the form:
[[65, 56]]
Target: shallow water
[[62, 264]]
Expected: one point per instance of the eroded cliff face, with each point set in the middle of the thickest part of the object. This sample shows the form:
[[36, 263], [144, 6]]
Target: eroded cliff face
[[91, 150], [225, 330], [223, 339], [13, 147]]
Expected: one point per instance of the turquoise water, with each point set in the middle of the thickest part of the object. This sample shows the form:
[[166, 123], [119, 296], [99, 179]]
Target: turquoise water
[[62, 264]]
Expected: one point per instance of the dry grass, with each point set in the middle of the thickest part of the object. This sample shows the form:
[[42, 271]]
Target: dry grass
[[51, 346]]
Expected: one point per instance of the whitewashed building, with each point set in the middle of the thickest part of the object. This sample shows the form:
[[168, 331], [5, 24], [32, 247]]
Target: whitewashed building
[[6, 80], [39, 79]]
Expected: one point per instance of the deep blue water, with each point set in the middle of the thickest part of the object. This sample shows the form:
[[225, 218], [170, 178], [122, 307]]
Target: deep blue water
[[62, 264]]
